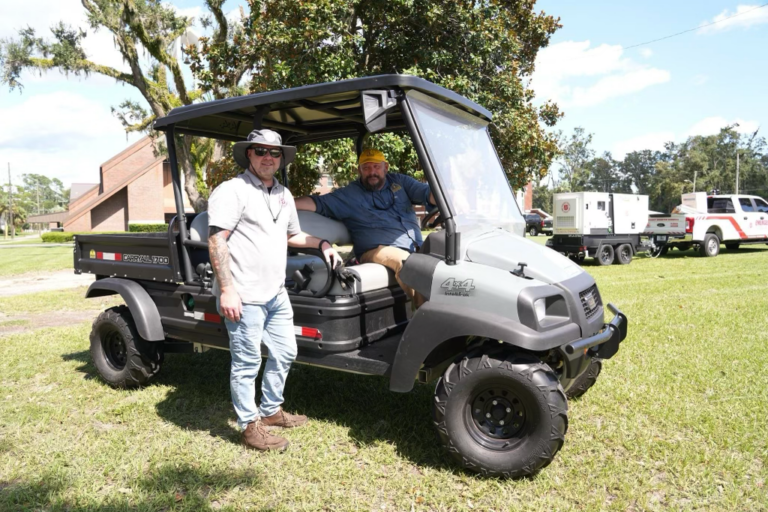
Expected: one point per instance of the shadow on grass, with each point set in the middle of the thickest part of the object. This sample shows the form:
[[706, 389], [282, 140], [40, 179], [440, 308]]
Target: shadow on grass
[[161, 488], [199, 399]]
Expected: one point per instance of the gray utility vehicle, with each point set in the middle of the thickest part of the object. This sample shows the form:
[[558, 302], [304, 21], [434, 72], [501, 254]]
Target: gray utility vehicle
[[508, 328]]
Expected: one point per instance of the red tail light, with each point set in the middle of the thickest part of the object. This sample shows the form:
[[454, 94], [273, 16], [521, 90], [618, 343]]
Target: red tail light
[[689, 221], [542, 223]]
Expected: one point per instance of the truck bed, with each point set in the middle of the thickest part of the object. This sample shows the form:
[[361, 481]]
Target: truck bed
[[150, 256]]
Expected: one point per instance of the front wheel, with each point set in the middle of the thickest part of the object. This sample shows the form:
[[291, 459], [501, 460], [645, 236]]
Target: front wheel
[[586, 380], [120, 355], [501, 414], [710, 247]]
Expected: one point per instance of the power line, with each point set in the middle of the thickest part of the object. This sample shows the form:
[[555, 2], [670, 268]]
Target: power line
[[696, 28]]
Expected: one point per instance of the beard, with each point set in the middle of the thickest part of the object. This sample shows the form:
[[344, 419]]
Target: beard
[[372, 187]]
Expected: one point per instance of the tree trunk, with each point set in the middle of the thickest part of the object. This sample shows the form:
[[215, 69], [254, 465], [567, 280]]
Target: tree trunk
[[198, 202]]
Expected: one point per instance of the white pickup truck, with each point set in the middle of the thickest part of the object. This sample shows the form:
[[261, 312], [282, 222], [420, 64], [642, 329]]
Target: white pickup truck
[[705, 221]]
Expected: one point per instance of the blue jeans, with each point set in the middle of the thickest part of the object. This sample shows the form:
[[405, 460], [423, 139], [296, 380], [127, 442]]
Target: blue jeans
[[272, 325]]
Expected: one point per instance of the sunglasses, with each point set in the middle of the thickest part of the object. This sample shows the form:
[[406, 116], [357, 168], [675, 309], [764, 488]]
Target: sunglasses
[[274, 153]]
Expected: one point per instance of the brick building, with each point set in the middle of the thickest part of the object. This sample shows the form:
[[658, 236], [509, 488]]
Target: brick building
[[134, 188]]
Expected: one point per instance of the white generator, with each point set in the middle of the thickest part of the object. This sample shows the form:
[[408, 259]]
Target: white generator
[[602, 225]]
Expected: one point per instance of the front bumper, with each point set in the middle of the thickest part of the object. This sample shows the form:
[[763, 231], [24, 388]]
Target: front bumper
[[577, 354]]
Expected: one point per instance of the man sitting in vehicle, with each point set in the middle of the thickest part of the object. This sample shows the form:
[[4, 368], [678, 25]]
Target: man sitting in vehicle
[[377, 209]]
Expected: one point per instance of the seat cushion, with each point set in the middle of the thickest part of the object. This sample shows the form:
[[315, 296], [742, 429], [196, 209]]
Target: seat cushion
[[198, 230], [324, 228], [372, 275]]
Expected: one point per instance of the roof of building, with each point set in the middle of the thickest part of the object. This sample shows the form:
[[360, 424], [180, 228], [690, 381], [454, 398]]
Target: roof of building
[[78, 189]]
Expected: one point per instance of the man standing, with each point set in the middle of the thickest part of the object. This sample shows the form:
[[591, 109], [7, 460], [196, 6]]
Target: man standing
[[377, 209], [252, 220]]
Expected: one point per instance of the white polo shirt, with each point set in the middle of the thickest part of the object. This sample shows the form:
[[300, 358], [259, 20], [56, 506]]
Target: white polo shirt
[[260, 223]]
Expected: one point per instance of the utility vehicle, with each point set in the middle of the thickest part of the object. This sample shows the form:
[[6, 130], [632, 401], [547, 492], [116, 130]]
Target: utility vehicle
[[508, 328]]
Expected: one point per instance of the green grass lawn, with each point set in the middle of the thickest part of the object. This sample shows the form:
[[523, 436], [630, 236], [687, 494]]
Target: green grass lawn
[[21, 240], [677, 420], [19, 260]]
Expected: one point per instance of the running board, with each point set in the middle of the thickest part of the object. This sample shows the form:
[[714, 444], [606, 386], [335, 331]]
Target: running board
[[374, 359]]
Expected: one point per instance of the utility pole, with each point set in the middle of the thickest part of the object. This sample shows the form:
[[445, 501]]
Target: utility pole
[[737, 171], [10, 204]]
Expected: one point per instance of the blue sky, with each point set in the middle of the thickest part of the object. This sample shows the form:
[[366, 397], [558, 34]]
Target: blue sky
[[640, 97], [629, 99]]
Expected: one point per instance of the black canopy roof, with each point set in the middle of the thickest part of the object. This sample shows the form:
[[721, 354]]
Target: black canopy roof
[[305, 114]]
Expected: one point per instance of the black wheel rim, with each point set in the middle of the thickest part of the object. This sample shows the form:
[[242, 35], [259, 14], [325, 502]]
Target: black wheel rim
[[114, 349], [626, 254], [605, 255], [497, 417]]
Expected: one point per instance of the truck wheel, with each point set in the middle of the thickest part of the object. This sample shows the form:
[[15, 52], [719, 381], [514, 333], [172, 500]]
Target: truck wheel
[[710, 247], [120, 355], [533, 231], [604, 255], [586, 380], [732, 247], [501, 414], [624, 254]]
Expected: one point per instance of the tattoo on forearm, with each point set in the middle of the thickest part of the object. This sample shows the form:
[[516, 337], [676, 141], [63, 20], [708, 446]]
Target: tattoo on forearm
[[219, 253]]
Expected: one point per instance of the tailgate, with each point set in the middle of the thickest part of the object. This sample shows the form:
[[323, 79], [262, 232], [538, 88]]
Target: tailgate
[[671, 225], [133, 255]]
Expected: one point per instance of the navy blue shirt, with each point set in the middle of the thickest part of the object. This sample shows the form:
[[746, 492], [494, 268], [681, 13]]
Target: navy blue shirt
[[381, 217]]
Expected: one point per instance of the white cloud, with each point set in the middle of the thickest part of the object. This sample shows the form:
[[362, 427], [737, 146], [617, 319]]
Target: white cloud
[[653, 141], [745, 16], [700, 79], [646, 52], [77, 136], [560, 65], [712, 126]]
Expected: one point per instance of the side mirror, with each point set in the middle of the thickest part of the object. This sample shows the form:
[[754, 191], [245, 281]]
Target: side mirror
[[376, 104]]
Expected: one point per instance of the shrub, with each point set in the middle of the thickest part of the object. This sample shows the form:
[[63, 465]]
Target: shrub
[[147, 228], [58, 237]]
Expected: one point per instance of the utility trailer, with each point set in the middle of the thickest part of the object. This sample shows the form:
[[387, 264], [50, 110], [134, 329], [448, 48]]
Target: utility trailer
[[601, 225], [509, 328]]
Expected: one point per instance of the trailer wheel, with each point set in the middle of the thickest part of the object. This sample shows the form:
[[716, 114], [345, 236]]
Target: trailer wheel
[[586, 380], [501, 414], [710, 247], [733, 246], [604, 255], [533, 231], [624, 254], [120, 355]]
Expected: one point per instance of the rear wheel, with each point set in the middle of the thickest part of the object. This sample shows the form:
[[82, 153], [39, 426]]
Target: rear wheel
[[120, 355], [710, 247], [604, 255], [586, 380], [501, 414], [624, 254], [534, 231], [732, 247]]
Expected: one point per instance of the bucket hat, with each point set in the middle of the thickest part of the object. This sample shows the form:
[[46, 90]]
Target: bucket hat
[[265, 138]]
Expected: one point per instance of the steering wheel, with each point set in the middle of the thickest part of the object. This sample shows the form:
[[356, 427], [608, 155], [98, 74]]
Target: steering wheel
[[432, 218]]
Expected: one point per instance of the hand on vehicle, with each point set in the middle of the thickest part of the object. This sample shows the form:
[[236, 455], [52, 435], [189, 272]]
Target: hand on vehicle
[[345, 277], [230, 305], [330, 254]]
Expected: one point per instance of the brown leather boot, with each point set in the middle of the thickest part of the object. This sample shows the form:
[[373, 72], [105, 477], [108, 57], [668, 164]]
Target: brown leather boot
[[284, 419], [256, 436]]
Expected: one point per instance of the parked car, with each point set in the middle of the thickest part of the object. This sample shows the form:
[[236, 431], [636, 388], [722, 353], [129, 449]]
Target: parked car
[[534, 224]]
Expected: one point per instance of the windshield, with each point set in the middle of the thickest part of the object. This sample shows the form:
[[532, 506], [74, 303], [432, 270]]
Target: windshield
[[467, 167]]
